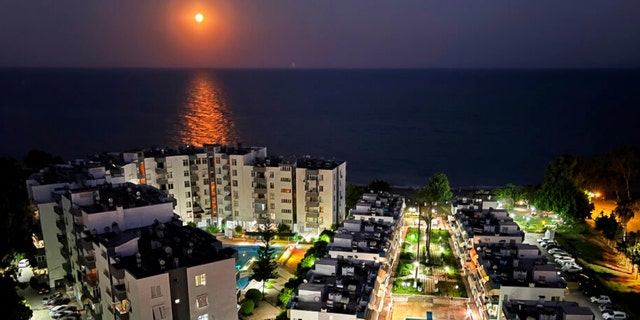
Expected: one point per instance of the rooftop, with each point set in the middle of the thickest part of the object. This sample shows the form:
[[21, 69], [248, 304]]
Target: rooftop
[[129, 195], [164, 246]]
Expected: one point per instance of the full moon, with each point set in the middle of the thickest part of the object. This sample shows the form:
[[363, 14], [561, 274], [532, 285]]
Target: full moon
[[199, 17]]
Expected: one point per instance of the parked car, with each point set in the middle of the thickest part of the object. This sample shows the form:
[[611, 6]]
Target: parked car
[[556, 250], [601, 299], [24, 263], [57, 301], [561, 254], [60, 308], [617, 315], [63, 314], [607, 307], [44, 290], [572, 268], [564, 260], [546, 244]]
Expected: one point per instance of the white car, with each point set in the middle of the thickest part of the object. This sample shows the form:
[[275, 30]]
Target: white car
[[562, 254], [24, 263], [601, 299], [556, 250], [64, 314], [60, 308], [572, 268], [618, 315], [564, 260]]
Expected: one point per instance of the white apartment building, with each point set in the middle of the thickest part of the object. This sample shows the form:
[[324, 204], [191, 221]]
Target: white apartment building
[[45, 190], [130, 257]]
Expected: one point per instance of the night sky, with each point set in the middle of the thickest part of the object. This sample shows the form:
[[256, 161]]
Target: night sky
[[320, 34]]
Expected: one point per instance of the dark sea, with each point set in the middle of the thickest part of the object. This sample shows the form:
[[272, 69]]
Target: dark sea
[[479, 127]]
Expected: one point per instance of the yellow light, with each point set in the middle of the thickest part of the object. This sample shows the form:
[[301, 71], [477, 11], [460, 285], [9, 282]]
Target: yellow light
[[199, 17]]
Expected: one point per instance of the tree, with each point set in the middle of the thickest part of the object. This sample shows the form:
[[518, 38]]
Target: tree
[[354, 193], [284, 228], [38, 159], [608, 225], [624, 162], [247, 306], [16, 220], [265, 267], [560, 192], [379, 185], [510, 195], [625, 211], [253, 294], [435, 192], [14, 306]]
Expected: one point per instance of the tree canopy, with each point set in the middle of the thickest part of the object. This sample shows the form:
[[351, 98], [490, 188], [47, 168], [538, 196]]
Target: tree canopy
[[560, 192], [265, 267], [436, 191]]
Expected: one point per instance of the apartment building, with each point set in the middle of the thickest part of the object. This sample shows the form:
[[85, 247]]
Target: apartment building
[[45, 190], [353, 281], [338, 289], [500, 268], [131, 258]]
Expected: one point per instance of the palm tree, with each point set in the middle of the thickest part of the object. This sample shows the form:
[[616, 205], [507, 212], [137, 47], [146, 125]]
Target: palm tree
[[625, 211]]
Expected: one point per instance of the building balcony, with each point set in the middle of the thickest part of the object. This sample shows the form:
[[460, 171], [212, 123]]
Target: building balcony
[[120, 291], [228, 208], [67, 267], [62, 239], [312, 225], [260, 190], [225, 166], [88, 261], [312, 214], [227, 188], [260, 169], [161, 170], [91, 279], [260, 180], [193, 167], [65, 252], [75, 211], [162, 180], [116, 273], [195, 188], [312, 193], [261, 211], [57, 209], [77, 227], [260, 201], [194, 178], [61, 225], [91, 292], [227, 198], [312, 204]]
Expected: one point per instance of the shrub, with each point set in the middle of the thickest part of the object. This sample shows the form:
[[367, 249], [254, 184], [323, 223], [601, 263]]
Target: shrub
[[246, 309], [255, 295]]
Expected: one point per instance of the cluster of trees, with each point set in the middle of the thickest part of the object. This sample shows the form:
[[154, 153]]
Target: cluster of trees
[[17, 224]]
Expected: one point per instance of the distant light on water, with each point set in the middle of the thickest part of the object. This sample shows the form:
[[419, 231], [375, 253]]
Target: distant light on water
[[205, 119]]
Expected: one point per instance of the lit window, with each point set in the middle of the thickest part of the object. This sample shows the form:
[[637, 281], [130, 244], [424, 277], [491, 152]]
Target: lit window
[[201, 280], [284, 190], [203, 317], [202, 301]]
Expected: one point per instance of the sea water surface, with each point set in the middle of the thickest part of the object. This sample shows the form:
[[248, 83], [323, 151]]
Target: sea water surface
[[480, 127]]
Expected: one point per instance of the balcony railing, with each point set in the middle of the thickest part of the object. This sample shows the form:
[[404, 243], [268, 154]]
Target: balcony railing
[[57, 209], [162, 180], [61, 225], [161, 170], [88, 261], [120, 291], [75, 211], [116, 273]]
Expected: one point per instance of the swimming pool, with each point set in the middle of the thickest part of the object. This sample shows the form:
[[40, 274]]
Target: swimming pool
[[245, 253]]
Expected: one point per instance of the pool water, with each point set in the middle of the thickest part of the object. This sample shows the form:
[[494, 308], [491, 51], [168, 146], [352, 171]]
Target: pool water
[[245, 253]]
